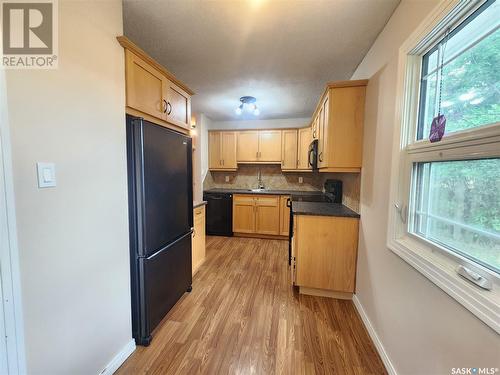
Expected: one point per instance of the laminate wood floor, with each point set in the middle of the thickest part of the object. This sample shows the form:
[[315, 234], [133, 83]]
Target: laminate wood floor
[[244, 317]]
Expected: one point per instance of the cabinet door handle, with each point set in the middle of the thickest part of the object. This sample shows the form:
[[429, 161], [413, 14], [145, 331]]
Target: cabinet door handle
[[320, 156], [222, 161], [165, 106], [194, 233], [169, 108], [257, 154]]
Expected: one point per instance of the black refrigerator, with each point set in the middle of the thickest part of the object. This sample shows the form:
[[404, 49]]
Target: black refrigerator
[[160, 191]]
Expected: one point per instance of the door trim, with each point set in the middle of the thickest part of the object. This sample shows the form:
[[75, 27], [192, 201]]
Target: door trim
[[9, 251]]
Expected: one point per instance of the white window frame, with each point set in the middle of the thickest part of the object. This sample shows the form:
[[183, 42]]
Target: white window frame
[[436, 263]]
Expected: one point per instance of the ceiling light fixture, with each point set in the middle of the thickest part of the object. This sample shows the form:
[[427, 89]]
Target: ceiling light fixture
[[247, 105]]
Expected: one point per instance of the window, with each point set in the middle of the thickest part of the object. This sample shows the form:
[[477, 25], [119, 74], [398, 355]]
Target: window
[[457, 206], [446, 194], [470, 89]]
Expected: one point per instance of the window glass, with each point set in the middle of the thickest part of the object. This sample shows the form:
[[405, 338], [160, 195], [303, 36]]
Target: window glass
[[457, 206], [470, 94]]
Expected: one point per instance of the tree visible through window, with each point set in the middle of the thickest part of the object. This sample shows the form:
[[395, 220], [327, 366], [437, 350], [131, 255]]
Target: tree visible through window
[[457, 206], [470, 94], [456, 203]]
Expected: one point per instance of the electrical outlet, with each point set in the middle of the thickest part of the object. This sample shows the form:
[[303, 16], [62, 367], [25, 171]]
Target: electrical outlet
[[227, 178], [301, 179]]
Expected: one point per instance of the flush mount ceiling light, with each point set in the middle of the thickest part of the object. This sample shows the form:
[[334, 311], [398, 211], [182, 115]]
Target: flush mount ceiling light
[[248, 105]]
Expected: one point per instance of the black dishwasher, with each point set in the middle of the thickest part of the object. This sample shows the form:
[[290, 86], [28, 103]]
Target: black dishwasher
[[219, 217]]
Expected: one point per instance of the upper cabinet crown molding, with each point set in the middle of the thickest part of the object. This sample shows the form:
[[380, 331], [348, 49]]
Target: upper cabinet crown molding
[[153, 92]]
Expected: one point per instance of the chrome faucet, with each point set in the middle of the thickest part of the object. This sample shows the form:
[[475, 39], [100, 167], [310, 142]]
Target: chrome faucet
[[259, 181]]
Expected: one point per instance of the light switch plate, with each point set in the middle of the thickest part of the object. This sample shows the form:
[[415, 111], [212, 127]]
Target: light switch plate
[[301, 179], [227, 178], [46, 174]]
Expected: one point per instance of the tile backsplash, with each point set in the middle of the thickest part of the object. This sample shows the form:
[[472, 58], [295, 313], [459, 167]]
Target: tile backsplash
[[246, 177]]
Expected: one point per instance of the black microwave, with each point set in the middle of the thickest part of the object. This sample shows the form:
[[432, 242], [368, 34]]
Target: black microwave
[[313, 155]]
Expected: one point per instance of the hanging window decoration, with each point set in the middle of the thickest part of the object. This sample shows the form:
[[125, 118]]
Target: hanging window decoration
[[438, 124]]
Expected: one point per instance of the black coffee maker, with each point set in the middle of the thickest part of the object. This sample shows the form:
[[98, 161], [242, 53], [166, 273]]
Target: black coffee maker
[[333, 190]]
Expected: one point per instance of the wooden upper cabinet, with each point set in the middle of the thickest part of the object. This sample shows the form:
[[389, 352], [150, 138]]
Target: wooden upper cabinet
[[178, 105], [145, 86], [270, 146], [339, 118], [284, 215], [304, 141], [259, 146], [315, 127], [323, 134], [214, 150], [289, 149], [228, 140], [222, 150], [267, 219], [153, 92], [248, 146]]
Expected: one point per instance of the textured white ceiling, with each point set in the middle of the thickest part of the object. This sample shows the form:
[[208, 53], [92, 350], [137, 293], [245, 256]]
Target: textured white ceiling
[[281, 52]]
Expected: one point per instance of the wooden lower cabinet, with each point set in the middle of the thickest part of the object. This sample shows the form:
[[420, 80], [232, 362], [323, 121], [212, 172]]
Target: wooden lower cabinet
[[198, 238], [243, 213], [267, 215], [324, 254], [254, 214], [284, 215]]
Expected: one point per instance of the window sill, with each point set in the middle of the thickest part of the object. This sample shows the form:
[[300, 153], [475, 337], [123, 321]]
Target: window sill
[[440, 269]]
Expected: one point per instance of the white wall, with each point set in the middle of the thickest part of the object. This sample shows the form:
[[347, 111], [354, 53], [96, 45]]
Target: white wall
[[203, 124], [423, 330], [73, 239], [262, 124]]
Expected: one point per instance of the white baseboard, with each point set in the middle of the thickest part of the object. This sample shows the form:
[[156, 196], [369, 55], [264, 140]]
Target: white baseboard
[[118, 360], [373, 334]]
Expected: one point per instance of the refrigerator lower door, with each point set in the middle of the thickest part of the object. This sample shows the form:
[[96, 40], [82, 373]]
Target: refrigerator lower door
[[165, 277]]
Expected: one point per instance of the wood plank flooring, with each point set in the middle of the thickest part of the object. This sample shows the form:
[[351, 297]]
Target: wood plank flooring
[[244, 317]]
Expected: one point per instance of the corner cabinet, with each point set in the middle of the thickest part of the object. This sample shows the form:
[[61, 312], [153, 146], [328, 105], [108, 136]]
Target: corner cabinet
[[153, 92], [222, 151]]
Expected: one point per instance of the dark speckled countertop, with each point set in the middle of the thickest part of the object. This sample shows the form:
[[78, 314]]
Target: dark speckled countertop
[[264, 192], [322, 209]]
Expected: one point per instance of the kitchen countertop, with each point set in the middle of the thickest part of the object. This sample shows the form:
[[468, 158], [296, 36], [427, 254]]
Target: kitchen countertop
[[263, 192], [199, 203], [322, 209]]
